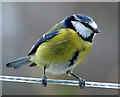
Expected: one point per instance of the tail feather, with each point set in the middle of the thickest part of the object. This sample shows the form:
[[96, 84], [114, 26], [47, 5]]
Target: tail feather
[[19, 62]]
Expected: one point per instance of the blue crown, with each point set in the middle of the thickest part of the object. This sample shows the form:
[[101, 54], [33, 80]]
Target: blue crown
[[84, 18]]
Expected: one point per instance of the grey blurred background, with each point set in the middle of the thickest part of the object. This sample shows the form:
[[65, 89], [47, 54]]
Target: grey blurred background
[[24, 23]]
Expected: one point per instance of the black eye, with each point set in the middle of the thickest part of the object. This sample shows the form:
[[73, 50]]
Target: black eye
[[87, 25], [76, 20]]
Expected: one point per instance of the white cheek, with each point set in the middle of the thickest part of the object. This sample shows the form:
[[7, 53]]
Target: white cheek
[[81, 29]]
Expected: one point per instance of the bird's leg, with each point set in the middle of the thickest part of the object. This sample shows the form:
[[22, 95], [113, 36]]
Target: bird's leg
[[44, 78], [81, 81]]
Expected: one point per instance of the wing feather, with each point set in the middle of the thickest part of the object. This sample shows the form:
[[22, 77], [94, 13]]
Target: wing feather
[[41, 40]]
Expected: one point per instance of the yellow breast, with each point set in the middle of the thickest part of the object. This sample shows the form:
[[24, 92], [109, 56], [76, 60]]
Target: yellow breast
[[56, 52]]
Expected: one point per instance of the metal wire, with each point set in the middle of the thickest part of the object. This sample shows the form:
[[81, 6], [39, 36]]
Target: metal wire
[[59, 82]]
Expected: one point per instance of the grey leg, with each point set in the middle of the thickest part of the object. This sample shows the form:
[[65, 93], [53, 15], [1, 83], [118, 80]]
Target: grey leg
[[81, 81], [44, 78]]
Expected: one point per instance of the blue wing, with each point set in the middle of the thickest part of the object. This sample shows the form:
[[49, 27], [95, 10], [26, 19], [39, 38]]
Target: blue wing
[[41, 40]]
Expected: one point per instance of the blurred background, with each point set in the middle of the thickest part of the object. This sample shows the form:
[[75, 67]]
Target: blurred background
[[24, 23], [0, 46]]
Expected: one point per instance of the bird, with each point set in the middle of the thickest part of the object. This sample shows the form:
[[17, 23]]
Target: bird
[[62, 48]]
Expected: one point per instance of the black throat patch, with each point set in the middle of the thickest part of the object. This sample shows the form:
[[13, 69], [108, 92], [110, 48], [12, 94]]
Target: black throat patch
[[74, 58]]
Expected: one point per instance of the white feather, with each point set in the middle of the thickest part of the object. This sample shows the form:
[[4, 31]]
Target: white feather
[[59, 68], [93, 24]]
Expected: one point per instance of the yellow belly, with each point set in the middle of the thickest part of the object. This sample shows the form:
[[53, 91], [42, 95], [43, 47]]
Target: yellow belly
[[56, 52]]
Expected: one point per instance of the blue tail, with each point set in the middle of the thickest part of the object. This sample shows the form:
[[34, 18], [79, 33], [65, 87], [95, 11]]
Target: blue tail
[[19, 62]]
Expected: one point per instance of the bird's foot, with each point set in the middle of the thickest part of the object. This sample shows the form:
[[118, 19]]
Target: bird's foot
[[81, 83], [44, 81]]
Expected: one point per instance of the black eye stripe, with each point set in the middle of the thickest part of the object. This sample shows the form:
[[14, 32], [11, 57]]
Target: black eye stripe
[[87, 25]]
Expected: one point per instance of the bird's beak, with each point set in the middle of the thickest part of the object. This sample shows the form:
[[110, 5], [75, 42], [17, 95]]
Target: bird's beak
[[97, 31]]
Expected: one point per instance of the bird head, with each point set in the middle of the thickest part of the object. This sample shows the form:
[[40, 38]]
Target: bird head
[[84, 25]]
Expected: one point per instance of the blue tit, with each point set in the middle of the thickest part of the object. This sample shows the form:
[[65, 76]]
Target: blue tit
[[62, 48]]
